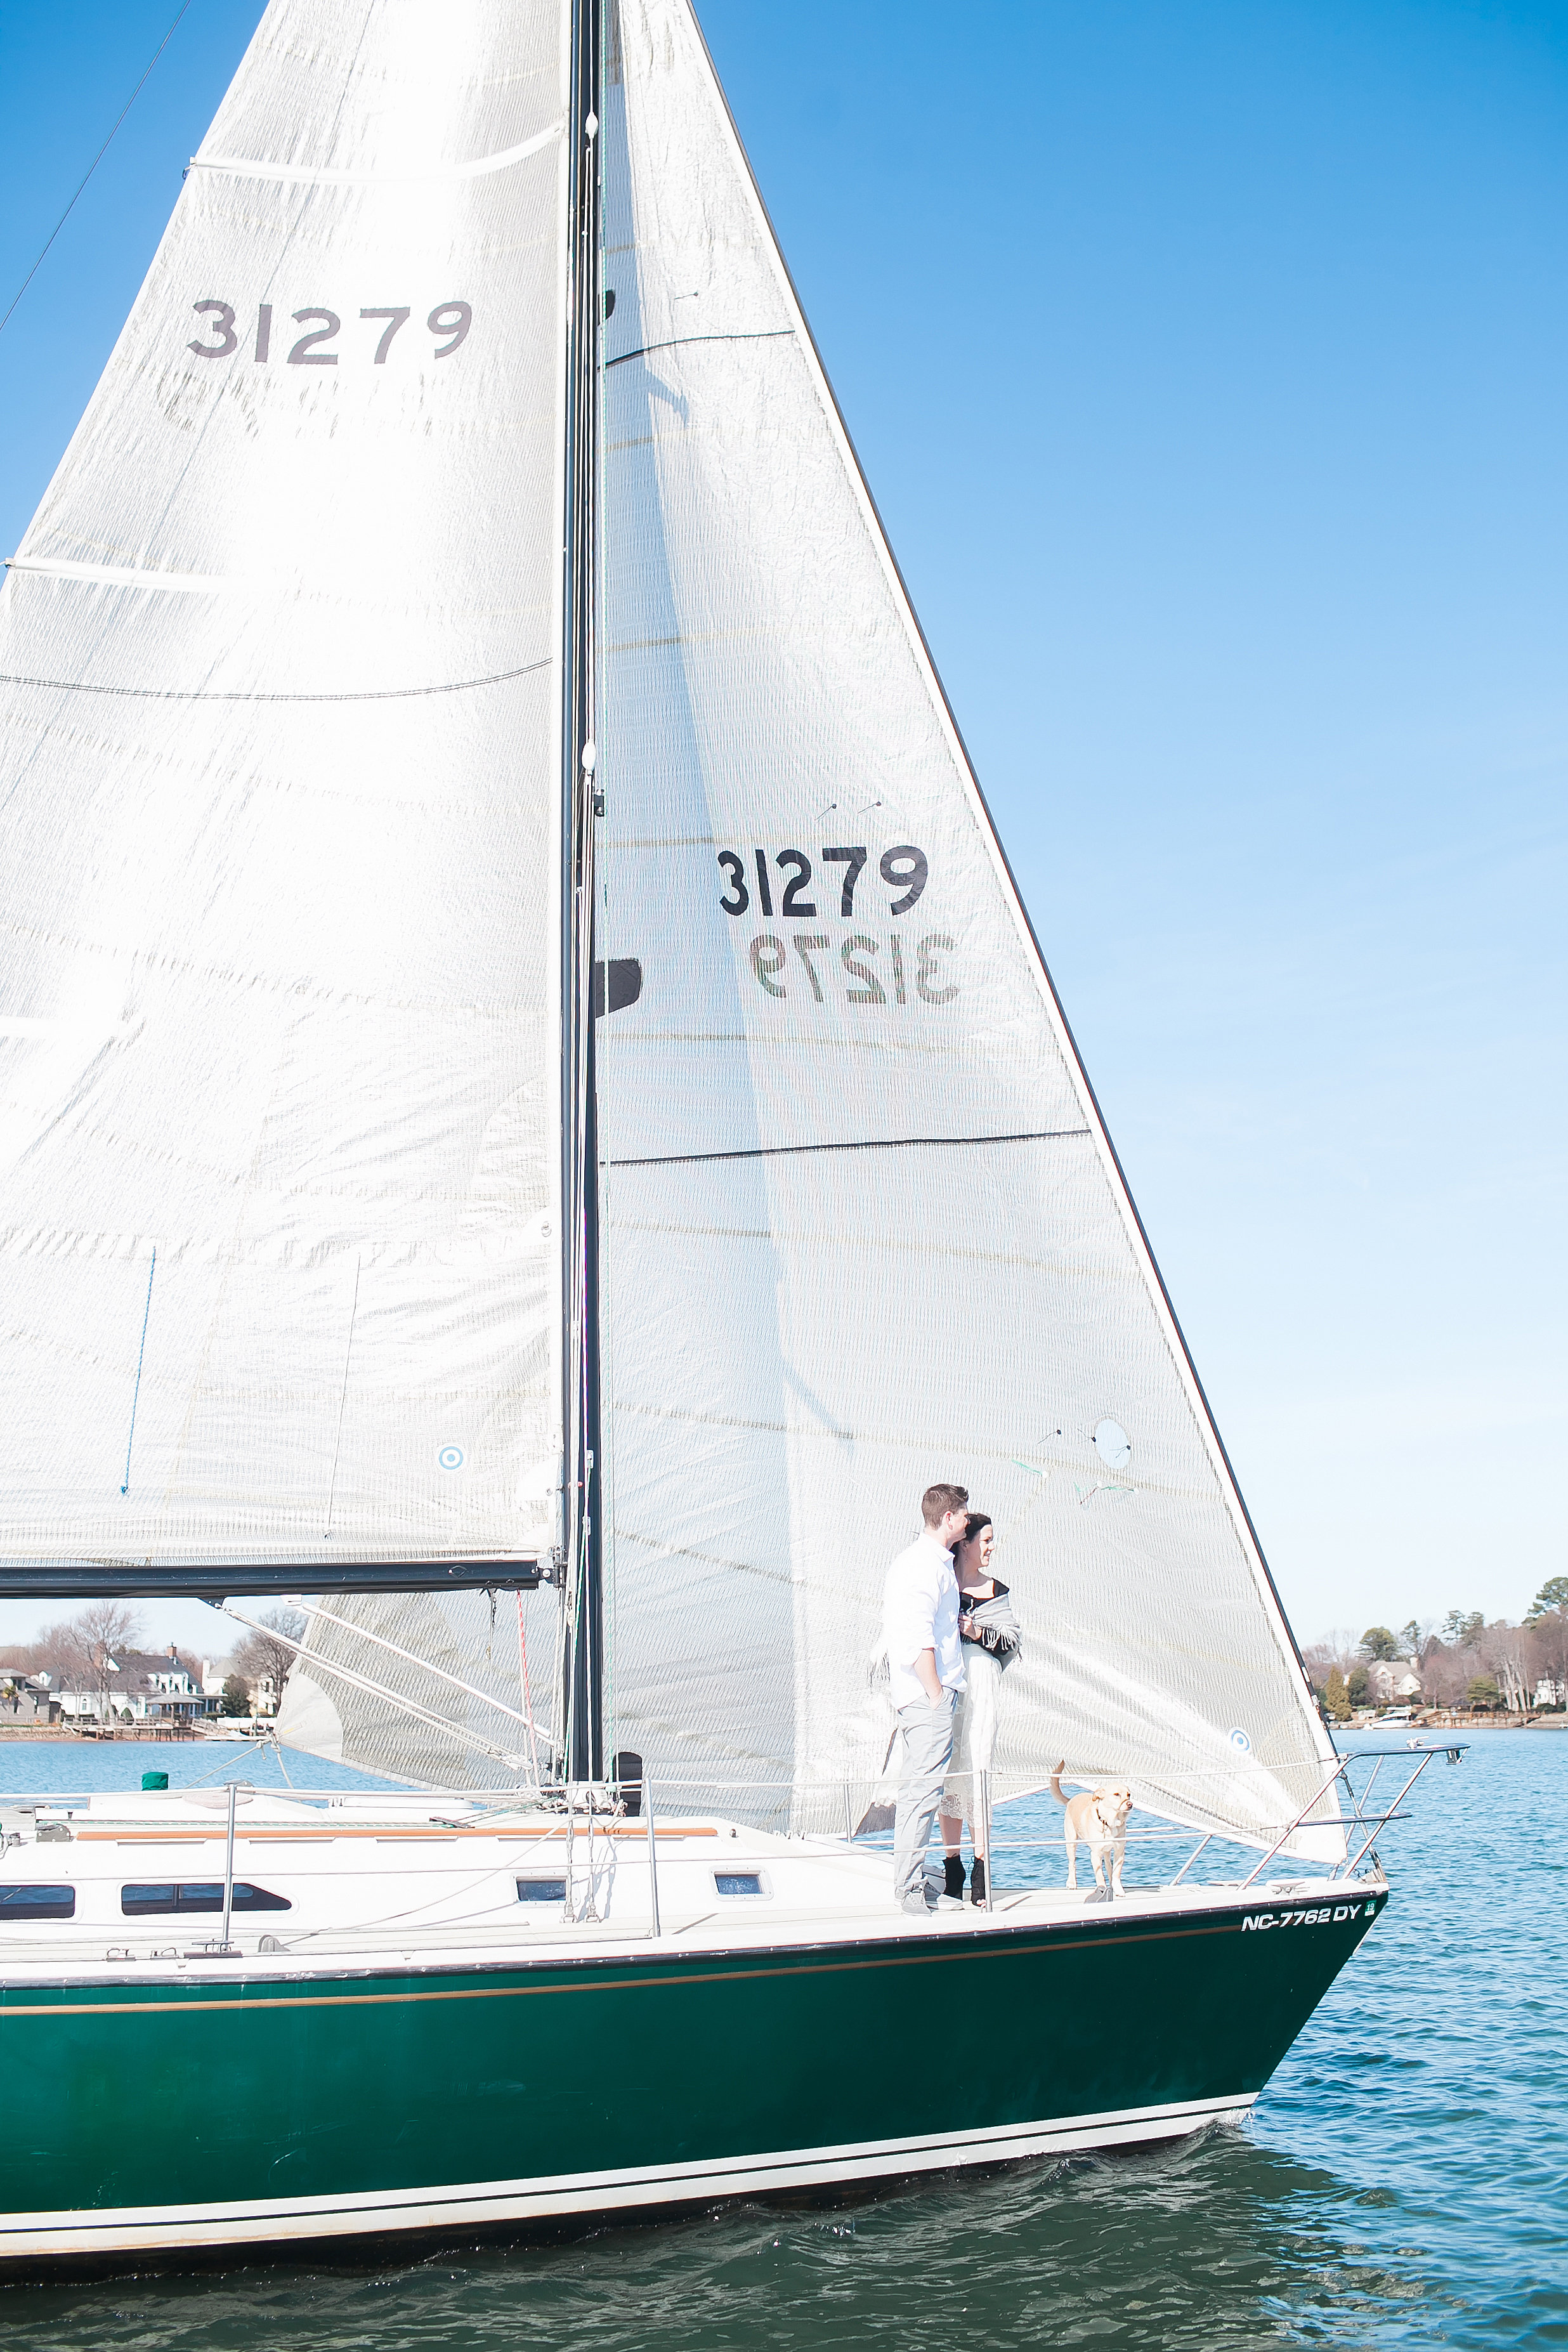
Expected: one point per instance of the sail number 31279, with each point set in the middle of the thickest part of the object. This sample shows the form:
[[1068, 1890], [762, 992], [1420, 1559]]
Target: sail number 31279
[[448, 322], [784, 886]]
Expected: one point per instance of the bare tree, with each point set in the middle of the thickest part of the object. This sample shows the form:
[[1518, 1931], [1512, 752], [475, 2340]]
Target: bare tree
[[1337, 1647], [1451, 1658], [1503, 1652], [262, 1657], [1547, 1621], [89, 1647], [1321, 1661]]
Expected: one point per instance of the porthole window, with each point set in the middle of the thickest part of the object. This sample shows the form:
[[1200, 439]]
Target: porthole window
[[738, 1882], [542, 1890], [158, 1901], [37, 1903]]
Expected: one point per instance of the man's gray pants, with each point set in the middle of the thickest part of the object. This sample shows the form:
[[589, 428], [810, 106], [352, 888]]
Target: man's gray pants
[[927, 1750]]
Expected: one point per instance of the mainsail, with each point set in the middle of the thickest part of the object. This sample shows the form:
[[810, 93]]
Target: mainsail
[[280, 988], [865, 1226]]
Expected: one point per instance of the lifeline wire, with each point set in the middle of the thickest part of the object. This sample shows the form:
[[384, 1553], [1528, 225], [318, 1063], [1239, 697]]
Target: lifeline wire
[[92, 168]]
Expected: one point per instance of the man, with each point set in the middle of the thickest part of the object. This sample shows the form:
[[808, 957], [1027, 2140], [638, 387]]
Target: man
[[925, 1666]]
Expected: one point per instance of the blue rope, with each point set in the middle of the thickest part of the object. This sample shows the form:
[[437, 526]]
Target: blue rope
[[141, 1353]]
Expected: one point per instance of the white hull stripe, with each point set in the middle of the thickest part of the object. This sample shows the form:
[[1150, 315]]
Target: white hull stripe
[[474, 2203]]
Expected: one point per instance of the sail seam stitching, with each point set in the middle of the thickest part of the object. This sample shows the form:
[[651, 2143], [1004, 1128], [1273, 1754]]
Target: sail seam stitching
[[180, 694], [874, 1143], [343, 1396]]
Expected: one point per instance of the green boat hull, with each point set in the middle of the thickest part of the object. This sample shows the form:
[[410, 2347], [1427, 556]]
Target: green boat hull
[[279, 2108]]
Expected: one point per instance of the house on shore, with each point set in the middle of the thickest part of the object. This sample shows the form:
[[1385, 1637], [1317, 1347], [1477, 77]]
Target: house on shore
[[1392, 1681], [26, 1698], [131, 1688]]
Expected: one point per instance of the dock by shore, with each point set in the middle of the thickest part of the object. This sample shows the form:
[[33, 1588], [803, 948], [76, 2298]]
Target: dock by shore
[[160, 1734]]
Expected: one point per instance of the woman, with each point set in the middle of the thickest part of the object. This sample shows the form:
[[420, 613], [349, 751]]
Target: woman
[[991, 1640]]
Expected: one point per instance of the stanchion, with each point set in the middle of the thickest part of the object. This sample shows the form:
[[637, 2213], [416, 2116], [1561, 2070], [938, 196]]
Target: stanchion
[[652, 1857], [589, 1916], [228, 1869]]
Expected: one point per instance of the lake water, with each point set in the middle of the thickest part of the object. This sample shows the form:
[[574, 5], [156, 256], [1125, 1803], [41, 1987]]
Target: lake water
[[1404, 2180]]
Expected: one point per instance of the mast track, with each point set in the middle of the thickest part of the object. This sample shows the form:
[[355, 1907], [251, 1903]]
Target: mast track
[[582, 1484]]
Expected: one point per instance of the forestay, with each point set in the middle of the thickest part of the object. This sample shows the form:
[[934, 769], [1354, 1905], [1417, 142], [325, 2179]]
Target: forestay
[[865, 1228], [279, 996]]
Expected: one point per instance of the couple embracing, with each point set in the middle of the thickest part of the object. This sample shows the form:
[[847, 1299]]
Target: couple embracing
[[949, 1631]]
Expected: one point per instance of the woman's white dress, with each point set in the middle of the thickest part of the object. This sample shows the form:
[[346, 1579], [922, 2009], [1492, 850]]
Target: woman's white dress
[[974, 1734]]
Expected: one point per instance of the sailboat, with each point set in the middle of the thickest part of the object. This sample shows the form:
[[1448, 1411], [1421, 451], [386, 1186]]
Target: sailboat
[[532, 1114]]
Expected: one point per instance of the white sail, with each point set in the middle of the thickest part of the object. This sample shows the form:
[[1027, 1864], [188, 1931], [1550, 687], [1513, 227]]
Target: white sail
[[865, 1230], [487, 1716], [280, 763]]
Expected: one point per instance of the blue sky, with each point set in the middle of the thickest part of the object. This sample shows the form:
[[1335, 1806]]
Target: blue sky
[[1209, 362]]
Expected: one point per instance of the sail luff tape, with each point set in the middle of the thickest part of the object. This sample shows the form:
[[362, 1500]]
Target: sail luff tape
[[323, 175]]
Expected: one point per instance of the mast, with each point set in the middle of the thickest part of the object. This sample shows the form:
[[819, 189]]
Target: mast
[[581, 1479]]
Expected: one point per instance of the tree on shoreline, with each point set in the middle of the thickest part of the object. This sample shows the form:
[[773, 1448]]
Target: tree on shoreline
[[1520, 1660], [1547, 1619], [1336, 1699], [264, 1658], [89, 1647]]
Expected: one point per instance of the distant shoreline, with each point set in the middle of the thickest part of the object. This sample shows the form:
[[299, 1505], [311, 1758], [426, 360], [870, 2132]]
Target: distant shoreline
[[1459, 1722]]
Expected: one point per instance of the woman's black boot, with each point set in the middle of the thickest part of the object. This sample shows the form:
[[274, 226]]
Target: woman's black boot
[[978, 1882], [954, 1866]]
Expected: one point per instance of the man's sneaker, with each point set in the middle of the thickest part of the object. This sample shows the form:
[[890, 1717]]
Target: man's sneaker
[[953, 1865], [948, 1902], [916, 1906]]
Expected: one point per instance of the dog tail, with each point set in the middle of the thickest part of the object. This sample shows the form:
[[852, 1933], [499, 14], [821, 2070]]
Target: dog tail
[[1056, 1789]]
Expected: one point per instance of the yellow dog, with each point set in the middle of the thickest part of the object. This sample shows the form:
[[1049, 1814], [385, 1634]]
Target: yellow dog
[[1098, 1821]]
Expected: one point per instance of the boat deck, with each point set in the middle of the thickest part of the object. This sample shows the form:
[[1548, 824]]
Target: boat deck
[[376, 1884]]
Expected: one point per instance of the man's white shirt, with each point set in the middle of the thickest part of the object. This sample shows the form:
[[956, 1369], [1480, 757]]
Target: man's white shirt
[[920, 1612]]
